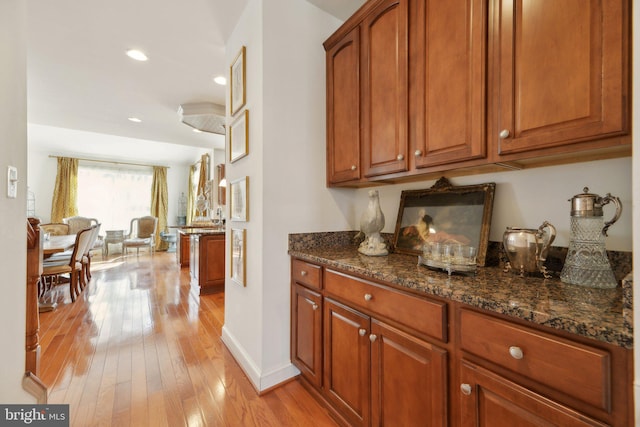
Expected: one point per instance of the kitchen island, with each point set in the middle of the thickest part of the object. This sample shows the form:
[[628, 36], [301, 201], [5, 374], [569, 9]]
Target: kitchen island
[[205, 250], [488, 342]]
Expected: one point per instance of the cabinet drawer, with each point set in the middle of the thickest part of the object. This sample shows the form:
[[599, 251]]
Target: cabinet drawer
[[420, 314], [307, 274], [575, 369]]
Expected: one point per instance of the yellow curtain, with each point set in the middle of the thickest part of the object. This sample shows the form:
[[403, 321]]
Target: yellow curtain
[[160, 203], [190, 199], [65, 193]]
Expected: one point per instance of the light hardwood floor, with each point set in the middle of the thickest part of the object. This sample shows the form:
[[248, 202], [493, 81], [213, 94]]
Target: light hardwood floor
[[137, 349]]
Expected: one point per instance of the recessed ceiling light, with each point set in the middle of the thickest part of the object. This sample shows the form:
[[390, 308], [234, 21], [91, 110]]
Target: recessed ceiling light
[[136, 54], [134, 119], [197, 130], [221, 80]]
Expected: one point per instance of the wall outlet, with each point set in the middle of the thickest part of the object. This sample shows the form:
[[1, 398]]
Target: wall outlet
[[12, 182]]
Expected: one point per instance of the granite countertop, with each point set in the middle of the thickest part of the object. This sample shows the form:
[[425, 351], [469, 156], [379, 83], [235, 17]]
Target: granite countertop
[[201, 231], [601, 314]]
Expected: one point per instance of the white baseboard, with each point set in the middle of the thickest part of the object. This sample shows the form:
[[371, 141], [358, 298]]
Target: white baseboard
[[260, 380]]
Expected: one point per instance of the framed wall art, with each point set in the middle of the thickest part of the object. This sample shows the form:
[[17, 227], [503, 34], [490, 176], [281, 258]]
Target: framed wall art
[[239, 199], [447, 214], [237, 82], [239, 137], [238, 255]]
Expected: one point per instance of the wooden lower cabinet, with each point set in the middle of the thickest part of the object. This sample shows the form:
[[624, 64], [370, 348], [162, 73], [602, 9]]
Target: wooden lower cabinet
[[347, 361], [359, 354], [408, 379], [207, 264], [183, 249], [375, 374], [306, 333], [493, 401]]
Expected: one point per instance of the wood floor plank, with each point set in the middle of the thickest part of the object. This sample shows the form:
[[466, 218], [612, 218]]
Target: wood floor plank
[[137, 348]]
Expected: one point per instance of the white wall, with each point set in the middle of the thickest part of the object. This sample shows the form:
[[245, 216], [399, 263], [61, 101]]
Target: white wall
[[13, 151], [42, 168], [286, 169]]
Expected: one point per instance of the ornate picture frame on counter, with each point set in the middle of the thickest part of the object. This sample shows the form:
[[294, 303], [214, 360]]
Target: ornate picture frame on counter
[[446, 225]]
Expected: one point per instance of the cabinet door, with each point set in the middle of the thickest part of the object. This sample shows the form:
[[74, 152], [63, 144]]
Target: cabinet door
[[486, 399], [347, 362], [384, 88], [408, 379], [212, 263], [561, 73], [306, 333], [343, 109], [447, 89]]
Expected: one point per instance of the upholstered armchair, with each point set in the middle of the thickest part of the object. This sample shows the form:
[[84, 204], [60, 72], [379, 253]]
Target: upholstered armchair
[[142, 233]]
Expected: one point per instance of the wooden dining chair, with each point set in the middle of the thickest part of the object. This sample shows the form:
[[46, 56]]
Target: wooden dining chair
[[55, 229], [86, 257], [79, 223], [54, 269]]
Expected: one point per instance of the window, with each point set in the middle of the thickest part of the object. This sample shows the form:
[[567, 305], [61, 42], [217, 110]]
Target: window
[[113, 194]]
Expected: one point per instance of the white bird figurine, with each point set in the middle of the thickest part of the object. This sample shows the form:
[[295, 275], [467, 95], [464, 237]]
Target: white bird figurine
[[371, 224]]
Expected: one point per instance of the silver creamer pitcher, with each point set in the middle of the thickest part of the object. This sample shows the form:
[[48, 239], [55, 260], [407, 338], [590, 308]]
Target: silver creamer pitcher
[[527, 248], [587, 263]]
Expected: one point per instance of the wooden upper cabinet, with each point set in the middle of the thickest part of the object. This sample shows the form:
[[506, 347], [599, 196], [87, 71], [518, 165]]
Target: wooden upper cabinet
[[343, 109], [384, 59], [447, 81], [560, 74]]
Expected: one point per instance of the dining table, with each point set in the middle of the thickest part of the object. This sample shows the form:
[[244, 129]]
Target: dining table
[[56, 244]]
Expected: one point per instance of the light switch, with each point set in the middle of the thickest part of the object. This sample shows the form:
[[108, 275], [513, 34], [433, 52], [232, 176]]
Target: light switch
[[12, 182]]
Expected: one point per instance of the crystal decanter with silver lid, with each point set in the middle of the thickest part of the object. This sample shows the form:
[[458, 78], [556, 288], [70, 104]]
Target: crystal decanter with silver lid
[[587, 263]]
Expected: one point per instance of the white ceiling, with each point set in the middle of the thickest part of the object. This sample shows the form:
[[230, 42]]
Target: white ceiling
[[80, 78]]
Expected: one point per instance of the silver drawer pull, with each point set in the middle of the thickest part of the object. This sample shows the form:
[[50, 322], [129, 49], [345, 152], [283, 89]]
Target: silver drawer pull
[[372, 337], [314, 306], [400, 157], [368, 297], [504, 134], [516, 352], [362, 332], [303, 273], [465, 389], [353, 167], [418, 153]]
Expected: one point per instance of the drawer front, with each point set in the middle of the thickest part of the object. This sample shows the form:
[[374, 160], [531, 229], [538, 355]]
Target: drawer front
[[420, 314], [575, 369], [306, 273]]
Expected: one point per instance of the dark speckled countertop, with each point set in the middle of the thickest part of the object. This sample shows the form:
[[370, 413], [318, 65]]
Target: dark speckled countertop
[[601, 314]]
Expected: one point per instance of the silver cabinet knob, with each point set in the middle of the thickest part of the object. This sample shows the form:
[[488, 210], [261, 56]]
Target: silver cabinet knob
[[465, 389], [504, 134], [516, 352], [400, 157], [372, 337], [362, 331], [353, 167], [418, 153], [303, 273], [368, 297], [314, 306]]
